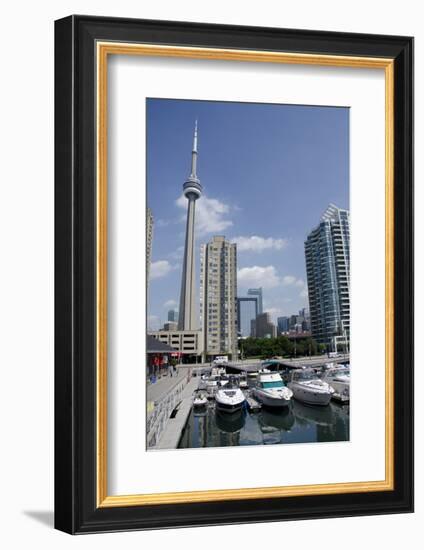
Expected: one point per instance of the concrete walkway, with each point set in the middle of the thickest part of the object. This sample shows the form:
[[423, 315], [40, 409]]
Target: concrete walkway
[[174, 427], [158, 390]]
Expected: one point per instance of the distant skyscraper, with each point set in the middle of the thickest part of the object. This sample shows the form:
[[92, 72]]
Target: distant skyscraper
[[173, 316], [328, 272], [192, 191], [283, 324], [247, 310], [258, 293], [265, 328], [218, 297], [149, 240]]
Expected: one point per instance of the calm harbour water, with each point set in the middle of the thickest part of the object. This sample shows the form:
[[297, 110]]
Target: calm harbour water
[[297, 423]]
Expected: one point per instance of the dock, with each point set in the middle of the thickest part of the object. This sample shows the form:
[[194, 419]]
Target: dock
[[252, 403], [340, 398], [175, 425]]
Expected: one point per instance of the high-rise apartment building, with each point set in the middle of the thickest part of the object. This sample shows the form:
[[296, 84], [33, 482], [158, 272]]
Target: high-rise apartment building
[[218, 297], [258, 293], [327, 257]]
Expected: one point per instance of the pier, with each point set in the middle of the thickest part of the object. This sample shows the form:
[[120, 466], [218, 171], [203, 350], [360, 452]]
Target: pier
[[315, 361]]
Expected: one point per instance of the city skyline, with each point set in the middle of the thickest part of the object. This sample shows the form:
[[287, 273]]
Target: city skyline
[[269, 247]]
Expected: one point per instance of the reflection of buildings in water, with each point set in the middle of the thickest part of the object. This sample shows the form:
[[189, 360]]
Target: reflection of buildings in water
[[318, 415], [281, 420]]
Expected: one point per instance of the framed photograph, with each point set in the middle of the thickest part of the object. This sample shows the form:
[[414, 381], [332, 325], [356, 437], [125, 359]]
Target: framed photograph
[[234, 274]]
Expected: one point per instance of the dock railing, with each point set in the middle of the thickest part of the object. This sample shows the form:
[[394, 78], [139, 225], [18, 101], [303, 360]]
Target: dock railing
[[159, 411]]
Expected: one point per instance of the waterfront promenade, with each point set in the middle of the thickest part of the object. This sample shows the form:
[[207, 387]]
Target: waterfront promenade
[[161, 388], [169, 402], [175, 425]]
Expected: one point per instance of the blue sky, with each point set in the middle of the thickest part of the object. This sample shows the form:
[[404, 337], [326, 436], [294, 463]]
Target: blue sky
[[268, 173]]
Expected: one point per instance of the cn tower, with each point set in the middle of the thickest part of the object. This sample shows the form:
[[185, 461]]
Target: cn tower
[[192, 190]]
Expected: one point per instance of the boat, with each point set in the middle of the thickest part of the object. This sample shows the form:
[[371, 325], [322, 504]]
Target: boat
[[243, 383], [229, 398], [271, 391], [223, 380], [200, 400], [252, 374], [338, 377], [309, 389], [212, 382]]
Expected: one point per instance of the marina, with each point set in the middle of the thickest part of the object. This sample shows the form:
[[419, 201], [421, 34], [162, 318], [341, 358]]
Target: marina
[[207, 406]]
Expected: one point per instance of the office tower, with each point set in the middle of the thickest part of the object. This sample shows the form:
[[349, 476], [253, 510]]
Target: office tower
[[328, 272], [218, 297], [173, 316], [258, 293], [149, 239], [192, 190], [283, 324], [265, 328], [247, 310]]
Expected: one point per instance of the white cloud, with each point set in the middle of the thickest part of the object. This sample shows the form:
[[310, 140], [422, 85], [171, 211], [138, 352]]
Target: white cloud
[[178, 253], [258, 244], [290, 280], [304, 293], [170, 303], [159, 269], [265, 277], [163, 223], [211, 215]]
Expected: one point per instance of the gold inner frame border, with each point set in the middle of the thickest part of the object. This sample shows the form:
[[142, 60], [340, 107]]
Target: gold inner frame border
[[103, 50]]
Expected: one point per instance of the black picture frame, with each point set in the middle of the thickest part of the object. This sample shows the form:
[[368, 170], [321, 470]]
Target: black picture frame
[[76, 509]]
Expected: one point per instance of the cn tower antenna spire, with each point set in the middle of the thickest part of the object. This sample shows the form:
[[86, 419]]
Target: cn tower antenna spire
[[194, 154]]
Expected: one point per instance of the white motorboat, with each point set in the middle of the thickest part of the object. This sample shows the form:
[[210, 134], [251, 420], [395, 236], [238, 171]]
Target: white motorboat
[[252, 374], [339, 379], [309, 389], [243, 383], [271, 390], [200, 400], [230, 398], [212, 382]]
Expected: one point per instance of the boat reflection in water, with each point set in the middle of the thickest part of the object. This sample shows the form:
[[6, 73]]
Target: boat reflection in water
[[296, 423], [321, 416], [274, 424], [230, 423]]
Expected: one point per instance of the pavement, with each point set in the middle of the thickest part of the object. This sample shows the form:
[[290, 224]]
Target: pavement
[[174, 427], [158, 390]]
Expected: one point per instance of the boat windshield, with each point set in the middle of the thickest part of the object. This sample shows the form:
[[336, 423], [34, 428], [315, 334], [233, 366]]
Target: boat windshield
[[274, 384]]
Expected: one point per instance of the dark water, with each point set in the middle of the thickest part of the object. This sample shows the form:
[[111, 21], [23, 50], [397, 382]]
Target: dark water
[[297, 423]]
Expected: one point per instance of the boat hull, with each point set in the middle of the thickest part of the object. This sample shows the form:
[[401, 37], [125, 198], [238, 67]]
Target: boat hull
[[310, 396], [229, 408], [271, 400]]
